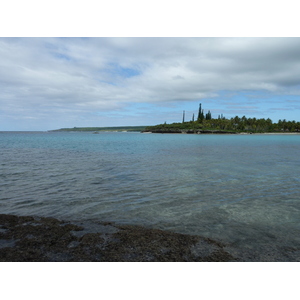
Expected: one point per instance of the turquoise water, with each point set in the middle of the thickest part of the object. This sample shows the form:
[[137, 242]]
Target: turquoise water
[[240, 189]]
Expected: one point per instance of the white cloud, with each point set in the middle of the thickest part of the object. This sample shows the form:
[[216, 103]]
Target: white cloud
[[52, 76]]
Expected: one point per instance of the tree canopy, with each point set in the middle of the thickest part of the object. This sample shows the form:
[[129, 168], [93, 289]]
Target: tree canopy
[[237, 124]]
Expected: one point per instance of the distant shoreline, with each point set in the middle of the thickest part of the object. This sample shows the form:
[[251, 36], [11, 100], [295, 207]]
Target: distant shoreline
[[282, 133], [96, 129], [218, 132]]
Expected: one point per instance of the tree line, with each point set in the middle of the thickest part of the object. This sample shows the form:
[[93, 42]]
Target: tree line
[[244, 124], [238, 124]]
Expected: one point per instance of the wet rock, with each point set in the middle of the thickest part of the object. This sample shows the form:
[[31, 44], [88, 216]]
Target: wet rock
[[7, 243], [49, 239]]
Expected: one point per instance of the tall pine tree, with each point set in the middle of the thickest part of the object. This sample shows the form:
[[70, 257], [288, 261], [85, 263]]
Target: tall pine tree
[[208, 115], [200, 114]]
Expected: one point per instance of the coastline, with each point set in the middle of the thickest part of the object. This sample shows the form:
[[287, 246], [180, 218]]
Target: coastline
[[189, 131], [44, 239], [218, 132], [282, 133]]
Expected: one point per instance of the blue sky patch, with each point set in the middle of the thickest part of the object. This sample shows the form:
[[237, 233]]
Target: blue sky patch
[[117, 70]]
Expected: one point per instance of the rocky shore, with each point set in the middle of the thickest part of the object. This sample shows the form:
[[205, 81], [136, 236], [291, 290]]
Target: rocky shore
[[33, 239], [188, 131]]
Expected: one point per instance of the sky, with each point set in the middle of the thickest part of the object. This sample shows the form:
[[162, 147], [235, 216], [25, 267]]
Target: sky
[[50, 83]]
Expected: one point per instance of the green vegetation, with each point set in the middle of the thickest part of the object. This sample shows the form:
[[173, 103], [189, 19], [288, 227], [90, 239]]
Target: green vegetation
[[206, 124], [121, 128]]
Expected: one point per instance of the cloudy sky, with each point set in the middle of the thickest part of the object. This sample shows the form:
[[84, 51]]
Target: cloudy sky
[[50, 83]]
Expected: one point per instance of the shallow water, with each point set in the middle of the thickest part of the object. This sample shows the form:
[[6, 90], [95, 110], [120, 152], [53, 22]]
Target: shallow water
[[240, 189]]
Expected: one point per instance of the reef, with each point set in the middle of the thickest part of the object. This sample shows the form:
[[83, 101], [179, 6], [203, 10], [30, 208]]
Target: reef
[[44, 239]]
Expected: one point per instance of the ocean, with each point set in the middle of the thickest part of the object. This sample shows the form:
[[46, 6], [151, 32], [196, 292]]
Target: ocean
[[241, 190]]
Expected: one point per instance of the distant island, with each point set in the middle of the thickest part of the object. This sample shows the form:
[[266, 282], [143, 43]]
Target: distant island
[[206, 124], [97, 129]]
